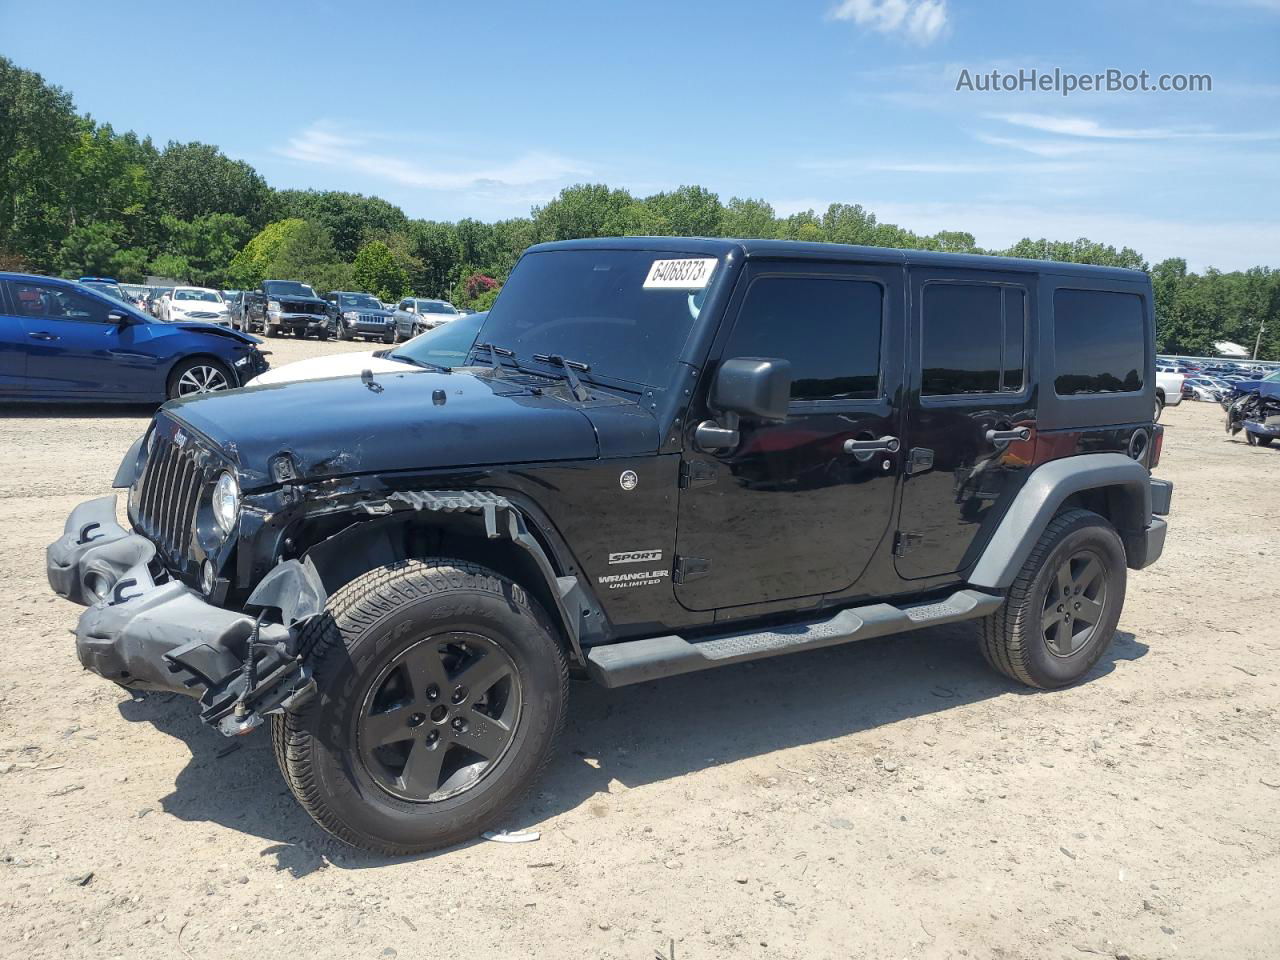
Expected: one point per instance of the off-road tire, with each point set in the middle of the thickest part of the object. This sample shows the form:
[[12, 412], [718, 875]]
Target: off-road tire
[[366, 625], [1013, 639]]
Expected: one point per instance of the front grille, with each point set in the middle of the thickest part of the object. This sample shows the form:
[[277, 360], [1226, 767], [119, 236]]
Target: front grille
[[167, 497], [292, 306], [202, 315], [371, 320]]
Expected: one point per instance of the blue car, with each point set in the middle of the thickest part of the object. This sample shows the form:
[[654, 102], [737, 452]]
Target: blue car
[[62, 340]]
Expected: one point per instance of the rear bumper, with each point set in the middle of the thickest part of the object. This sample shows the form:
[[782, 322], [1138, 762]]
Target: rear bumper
[[165, 636], [1263, 429], [1144, 548]]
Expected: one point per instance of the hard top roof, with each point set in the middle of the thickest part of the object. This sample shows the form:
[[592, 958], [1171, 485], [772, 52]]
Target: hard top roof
[[805, 250]]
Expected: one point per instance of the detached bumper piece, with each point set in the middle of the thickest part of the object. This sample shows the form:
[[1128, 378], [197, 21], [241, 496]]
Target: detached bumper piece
[[146, 631]]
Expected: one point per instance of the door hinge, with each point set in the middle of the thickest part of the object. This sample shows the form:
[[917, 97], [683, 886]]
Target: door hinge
[[696, 473], [904, 543], [919, 460], [691, 568]]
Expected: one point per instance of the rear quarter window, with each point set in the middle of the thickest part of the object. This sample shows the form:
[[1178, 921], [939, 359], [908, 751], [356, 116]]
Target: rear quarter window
[[1100, 342]]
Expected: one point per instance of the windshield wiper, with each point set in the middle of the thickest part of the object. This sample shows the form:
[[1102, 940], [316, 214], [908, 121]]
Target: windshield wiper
[[403, 358], [494, 353], [569, 366]]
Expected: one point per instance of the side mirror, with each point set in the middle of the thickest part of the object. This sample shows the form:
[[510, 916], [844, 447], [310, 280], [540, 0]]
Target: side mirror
[[752, 387], [118, 318]]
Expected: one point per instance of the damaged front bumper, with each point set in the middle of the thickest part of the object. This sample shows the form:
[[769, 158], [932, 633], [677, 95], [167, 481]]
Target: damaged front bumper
[[147, 631]]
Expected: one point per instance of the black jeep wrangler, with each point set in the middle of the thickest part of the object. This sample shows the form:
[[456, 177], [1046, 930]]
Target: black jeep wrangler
[[661, 455]]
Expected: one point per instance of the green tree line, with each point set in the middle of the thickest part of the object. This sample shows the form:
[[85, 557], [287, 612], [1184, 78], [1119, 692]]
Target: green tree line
[[77, 198]]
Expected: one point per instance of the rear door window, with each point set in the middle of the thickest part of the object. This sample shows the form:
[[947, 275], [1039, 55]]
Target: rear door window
[[973, 339]]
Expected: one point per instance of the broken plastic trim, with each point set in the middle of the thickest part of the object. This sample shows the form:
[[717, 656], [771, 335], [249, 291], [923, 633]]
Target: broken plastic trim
[[569, 596]]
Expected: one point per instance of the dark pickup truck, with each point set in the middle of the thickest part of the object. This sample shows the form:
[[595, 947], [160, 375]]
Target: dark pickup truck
[[277, 307], [661, 455]]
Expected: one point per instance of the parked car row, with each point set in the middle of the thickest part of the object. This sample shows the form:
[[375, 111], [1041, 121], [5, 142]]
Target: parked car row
[[279, 307], [63, 340]]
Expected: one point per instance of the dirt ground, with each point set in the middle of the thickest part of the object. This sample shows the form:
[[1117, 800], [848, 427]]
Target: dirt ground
[[891, 798]]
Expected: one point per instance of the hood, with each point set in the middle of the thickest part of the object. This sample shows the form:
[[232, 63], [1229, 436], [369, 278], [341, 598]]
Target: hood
[[368, 311], [1262, 388], [333, 365], [199, 326], [398, 421]]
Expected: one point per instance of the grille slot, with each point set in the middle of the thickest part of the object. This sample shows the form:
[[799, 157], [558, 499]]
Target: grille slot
[[167, 500]]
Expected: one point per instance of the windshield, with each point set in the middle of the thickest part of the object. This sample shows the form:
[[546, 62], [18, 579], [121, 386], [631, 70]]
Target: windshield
[[434, 306], [110, 289], [287, 288], [445, 346], [207, 296], [358, 301], [1273, 377], [599, 308]]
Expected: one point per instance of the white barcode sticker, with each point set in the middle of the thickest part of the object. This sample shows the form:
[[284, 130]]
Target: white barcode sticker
[[693, 274]]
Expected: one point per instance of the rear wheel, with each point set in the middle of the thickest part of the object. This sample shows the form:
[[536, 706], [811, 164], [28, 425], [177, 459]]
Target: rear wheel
[[1062, 609], [441, 690]]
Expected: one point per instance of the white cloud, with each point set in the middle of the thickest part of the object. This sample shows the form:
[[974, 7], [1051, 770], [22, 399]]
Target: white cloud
[[1228, 245], [921, 21], [426, 168], [1091, 129], [1043, 148]]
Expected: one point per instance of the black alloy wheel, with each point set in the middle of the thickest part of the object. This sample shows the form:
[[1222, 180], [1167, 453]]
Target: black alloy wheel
[[1074, 603], [440, 717]]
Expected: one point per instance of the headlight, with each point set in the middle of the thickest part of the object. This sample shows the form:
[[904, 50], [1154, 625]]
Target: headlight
[[226, 501], [351, 315], [273, 305]]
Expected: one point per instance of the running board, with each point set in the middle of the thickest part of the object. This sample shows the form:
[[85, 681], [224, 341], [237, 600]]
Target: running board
[[634, 661]]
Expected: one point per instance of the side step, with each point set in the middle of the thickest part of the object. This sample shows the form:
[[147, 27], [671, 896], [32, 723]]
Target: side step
[[634, 661]]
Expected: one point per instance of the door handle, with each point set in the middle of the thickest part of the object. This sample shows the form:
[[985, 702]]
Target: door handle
[[886, 444], [1006, 436], [42, 335]]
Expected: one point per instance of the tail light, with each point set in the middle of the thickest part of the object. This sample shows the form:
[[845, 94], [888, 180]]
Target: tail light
[[1157, 445]]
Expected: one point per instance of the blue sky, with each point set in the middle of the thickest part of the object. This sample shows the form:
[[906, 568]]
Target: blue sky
[[484, 109]]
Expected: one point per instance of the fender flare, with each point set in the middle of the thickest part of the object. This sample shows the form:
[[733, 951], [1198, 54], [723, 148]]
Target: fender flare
[[490, 516], [1042, 496]]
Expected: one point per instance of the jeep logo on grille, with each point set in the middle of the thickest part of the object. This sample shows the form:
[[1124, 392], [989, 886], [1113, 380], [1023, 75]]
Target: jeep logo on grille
[[179, 438]]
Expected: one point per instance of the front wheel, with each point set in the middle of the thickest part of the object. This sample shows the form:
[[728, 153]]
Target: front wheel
[[1159, 410], [441, 690], [198, 375], [1062, 609]]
